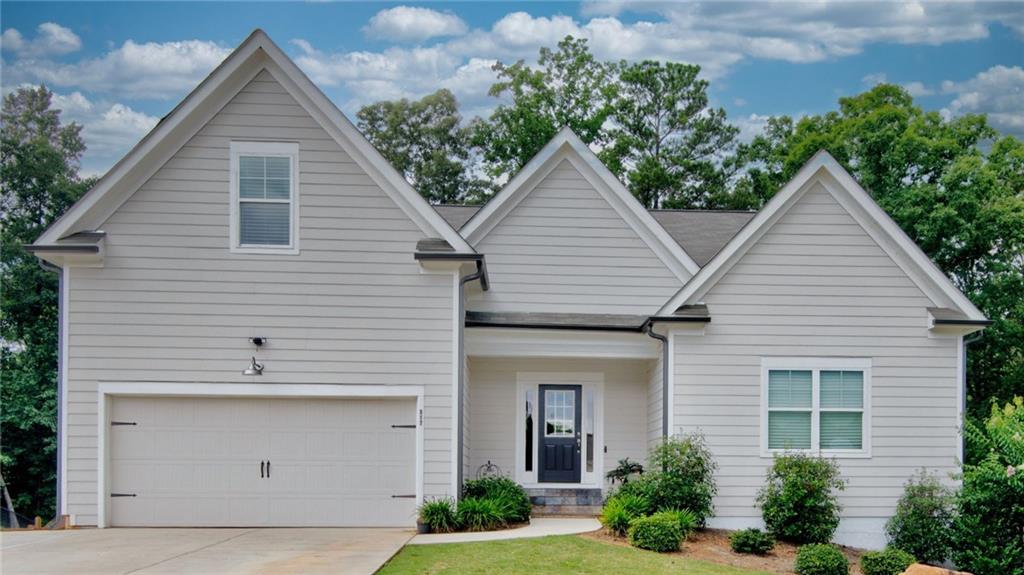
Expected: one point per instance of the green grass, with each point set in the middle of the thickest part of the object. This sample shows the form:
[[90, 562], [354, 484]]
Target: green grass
[[547, 555]]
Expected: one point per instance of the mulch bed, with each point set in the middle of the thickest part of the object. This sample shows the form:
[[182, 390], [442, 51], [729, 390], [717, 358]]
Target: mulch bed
[[712, 545]]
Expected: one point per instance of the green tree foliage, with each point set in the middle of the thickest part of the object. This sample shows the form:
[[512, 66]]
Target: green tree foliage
[[667, 142], [964, 206], [568, 88], [39, 162], [426, 141]]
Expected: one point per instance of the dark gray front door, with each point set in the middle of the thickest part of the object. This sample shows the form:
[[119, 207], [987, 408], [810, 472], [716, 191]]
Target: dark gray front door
[[560, 433]]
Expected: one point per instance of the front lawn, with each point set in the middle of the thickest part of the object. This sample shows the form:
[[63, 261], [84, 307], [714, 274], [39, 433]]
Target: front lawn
[[556, 554]]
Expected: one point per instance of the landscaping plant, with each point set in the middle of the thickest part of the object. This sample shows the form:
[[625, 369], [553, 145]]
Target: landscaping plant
[[511, 498], [440, 515], [752, 541], [888, 562], [659, 532], [687, 520], [619, 510], [988, 531], [624, 470], [921, 524], [820, 559], [799, 502], [680, 476], [480, 515]]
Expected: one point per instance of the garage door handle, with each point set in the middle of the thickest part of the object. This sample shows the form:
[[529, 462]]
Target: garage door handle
[[403, 496], [268, 468], [262, 463]]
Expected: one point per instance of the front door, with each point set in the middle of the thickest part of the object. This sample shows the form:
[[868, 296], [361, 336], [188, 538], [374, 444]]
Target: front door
[[560, 433]]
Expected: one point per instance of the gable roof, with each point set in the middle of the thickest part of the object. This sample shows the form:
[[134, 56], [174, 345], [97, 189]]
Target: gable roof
[[824, 169], [701, 233], [567, 146], [257, 53]]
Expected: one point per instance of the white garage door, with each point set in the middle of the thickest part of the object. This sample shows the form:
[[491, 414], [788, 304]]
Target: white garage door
[[262, 462]]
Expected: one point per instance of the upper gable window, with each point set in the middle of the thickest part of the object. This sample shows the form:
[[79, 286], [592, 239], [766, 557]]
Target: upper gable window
[[264, 197]]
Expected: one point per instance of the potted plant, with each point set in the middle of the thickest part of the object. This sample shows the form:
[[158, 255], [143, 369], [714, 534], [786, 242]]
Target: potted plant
[[437, 516]]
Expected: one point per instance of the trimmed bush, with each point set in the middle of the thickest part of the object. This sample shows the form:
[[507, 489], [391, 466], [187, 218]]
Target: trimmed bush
[[889, 562], [440, 515], [988, 531], [799, 502], [921, 524], [619, 510], [752, 541], [687, 520], [511, 498], [820, 559], [480, 514], [659, 532], [681, 476]]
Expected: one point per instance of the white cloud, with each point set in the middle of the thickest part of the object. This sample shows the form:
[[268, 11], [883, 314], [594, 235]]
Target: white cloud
[[150, 70], [997, 92], [875, 79], [109, 129], [51, 39], [414, 24], [917, 89]]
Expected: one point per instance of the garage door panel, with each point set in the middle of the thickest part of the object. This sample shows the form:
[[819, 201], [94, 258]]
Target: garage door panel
[[196, 461]]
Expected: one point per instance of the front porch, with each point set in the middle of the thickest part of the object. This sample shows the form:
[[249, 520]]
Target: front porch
[[557, 411]]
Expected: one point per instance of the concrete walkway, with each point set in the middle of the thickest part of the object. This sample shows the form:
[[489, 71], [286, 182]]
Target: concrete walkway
[[199, 551], [538, 527]]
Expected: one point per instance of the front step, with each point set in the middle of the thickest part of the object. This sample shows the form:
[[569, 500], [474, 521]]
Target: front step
[[548, 502]]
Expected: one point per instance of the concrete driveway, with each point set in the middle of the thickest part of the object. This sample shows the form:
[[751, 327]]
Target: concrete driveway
[[199, 551]]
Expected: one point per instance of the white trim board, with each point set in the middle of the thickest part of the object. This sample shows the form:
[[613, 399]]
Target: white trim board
[[106, 390], [507, 342], [824, 169], [255, 54], [567, 146], [290, 150]]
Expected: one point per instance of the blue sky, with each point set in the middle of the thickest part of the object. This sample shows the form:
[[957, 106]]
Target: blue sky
[[117, 67]]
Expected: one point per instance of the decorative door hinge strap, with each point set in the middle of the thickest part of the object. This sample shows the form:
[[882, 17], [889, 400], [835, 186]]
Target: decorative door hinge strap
[[403, 496], [403, 427], [112, 423], [122, 495]]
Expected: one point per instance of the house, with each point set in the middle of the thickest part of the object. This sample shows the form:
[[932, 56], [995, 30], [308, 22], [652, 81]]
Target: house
[[263, 324]]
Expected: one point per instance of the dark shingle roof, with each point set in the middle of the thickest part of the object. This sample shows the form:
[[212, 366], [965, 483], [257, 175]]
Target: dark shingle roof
[[701, 233]]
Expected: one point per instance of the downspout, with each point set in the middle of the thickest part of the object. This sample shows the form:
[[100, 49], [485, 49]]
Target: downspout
[[60, 380], [460, 405], [963, 389], [665, 398]]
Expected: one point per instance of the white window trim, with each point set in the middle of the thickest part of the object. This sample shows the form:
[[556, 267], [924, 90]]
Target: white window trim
[[816, 365], [280, 149], [532, 381]]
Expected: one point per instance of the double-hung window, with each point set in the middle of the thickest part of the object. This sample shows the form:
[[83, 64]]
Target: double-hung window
[[816, 405], [264, 197]]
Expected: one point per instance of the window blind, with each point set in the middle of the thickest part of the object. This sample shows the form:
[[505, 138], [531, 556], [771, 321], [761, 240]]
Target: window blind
[[264, 196]]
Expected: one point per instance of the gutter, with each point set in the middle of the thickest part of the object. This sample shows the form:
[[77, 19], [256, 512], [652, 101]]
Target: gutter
[[964, 342], [60, 380], [648, 328], [479, 274], [481, 264], [642, 328]]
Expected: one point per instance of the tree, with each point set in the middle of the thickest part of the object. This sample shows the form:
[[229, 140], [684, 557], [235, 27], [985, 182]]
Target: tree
[[962, 205], [39, 179], [569, 88], [425, 140], [667, 142]]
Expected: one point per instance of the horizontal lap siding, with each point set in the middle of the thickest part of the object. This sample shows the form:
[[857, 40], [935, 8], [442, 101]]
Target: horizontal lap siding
[[565, 249], [173, 304], [807, 290]]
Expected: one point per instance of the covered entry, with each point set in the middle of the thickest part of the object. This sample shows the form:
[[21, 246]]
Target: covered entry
[[261, 461]]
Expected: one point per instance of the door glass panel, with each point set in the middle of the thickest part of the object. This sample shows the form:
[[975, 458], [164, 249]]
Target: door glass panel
[[588, 426], [559, 413], [529, 430]]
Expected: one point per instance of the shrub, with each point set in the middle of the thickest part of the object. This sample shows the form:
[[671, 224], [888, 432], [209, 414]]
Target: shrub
[[642, 488], [820, 559], [752, 541], [687, 520], [988, 531], [440, 515], [799, 502], [480, 514], [921, 525], [619, 510], [624, 470], [889, 562], [659, 532], [681, 476], [511, 498]]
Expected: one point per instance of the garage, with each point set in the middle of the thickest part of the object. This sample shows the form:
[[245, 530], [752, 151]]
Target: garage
[[261, 462]]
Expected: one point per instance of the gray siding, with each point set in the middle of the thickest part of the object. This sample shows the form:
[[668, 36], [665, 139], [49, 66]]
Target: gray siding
[[563, 248], [817, 285], [654, 402], [173, 304]]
